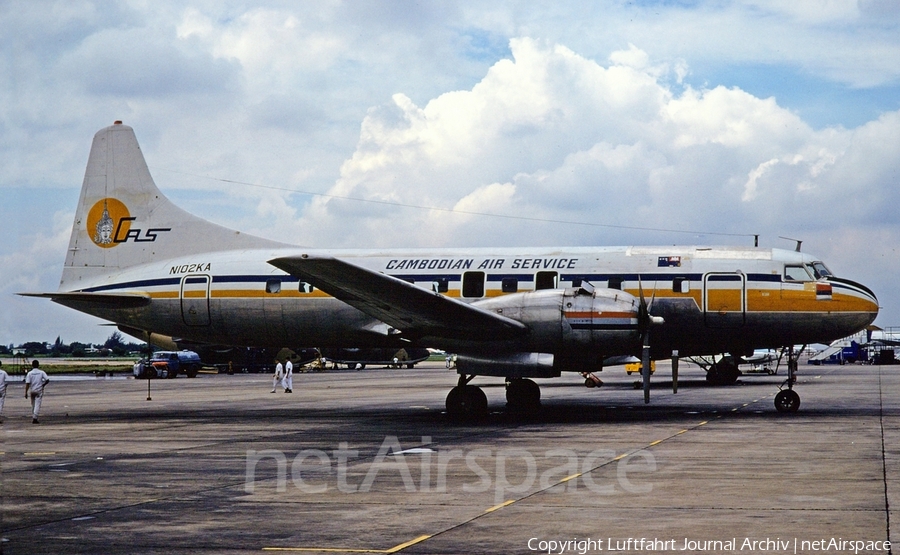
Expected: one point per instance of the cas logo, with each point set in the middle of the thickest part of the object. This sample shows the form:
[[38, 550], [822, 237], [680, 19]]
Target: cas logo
[[109, 224]]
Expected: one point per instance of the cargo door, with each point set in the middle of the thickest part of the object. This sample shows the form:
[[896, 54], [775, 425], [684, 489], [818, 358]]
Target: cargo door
[[195, 299], [724, 299]]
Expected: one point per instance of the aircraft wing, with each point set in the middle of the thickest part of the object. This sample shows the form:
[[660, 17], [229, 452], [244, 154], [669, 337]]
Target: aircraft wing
[[413, 310]]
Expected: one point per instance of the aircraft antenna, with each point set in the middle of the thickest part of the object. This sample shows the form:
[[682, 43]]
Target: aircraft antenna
[[799, 242]]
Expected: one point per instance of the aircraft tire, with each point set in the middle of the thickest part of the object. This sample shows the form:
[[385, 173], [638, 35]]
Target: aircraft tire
[[723, 374], [523, 396], [787, 400], [466, 403]]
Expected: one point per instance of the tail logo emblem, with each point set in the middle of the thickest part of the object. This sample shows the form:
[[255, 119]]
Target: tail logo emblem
[[102, 219], [109, 224]]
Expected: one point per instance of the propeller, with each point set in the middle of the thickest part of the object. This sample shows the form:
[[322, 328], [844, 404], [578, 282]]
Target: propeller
[[645, 320]]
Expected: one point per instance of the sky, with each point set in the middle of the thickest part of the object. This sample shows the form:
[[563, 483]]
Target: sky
[[376, 124]]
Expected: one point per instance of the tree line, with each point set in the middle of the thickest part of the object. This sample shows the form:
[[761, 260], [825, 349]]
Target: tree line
[[115, 345]]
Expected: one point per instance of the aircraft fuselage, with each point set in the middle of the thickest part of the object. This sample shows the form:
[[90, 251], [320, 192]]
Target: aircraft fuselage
[[712, 299]]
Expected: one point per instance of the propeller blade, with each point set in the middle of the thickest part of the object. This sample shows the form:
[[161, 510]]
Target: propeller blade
[[644, 327], [645, 367], [675, 371], [645, 320]]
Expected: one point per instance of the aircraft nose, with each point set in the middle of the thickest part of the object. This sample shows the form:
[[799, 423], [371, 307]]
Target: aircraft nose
[[861, 298]]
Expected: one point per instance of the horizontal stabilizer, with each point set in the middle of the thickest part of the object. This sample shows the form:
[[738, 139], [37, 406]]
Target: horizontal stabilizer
[[109, 300], [412, 310]]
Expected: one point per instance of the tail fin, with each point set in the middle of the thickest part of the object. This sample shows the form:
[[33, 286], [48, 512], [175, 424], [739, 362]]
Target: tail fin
[[124, 220]]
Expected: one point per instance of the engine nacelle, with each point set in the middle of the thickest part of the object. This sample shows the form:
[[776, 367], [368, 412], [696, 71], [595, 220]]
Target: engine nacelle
[[573, 322]]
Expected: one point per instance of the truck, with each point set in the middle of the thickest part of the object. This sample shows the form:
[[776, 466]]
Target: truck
[[168, 364]]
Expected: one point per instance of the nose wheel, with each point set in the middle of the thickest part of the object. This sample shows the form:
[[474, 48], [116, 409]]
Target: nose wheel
[[787, 400]]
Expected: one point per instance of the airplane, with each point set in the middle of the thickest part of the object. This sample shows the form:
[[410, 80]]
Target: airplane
[[358, 358], [141, 262]]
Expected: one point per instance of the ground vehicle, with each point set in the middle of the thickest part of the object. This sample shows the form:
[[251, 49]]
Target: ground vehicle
[[635, 367], [168, 364]]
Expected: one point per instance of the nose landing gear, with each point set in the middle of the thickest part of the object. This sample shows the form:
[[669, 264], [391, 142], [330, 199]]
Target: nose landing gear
[[787, 400]]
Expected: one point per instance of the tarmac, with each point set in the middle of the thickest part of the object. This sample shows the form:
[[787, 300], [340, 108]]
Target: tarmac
[[367, 462]]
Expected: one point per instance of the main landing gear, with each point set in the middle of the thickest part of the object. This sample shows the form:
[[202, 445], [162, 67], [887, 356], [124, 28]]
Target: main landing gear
[[723, 372], [467, 402], [523, 396]]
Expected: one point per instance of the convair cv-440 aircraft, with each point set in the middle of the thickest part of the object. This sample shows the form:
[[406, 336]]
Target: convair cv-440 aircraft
[[157, 271]]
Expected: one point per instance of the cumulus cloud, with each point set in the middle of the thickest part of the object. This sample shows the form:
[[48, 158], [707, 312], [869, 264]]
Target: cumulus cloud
[[552, 135]]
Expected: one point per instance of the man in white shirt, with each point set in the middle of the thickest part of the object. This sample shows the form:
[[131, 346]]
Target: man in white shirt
[[288, 381], [35, 380], [279, 374], [4, 377]]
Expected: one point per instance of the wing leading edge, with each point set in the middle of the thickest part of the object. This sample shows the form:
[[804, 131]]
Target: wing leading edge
[[414, 311]]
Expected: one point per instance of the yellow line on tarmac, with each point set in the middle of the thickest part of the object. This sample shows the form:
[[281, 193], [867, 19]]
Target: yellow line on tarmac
[[404, 545], [395, 549], [500, 506], [323, 550]]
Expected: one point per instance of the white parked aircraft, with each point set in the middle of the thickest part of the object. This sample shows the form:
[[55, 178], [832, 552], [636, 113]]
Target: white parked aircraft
[[137, 260]]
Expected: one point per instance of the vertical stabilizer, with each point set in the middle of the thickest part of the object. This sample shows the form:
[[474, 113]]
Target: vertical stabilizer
[[124, 220]]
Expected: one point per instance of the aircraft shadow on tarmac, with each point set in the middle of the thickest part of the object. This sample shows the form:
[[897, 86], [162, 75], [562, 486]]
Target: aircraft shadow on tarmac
[[583, 409]]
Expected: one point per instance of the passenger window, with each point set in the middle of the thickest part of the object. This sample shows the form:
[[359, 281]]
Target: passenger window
[[473, 285], [796, 273], [681, 285], [615, 283], [304, 287], [273, 286], [545, 280], [509, 285]]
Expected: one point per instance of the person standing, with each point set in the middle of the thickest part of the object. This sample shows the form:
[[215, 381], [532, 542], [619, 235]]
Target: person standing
[[279, 375], [288, 382], [35, 380], [3, 379]]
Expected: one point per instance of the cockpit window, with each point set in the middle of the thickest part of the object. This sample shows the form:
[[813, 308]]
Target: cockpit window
[[820, 270], [796, 273]]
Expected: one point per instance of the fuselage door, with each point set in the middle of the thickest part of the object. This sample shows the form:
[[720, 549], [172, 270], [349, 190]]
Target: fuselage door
[[724, 299], [195, 299]]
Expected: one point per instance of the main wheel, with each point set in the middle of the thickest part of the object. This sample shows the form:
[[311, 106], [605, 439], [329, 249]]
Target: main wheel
[[466, 403], [723, 373], [787, 400], [523, 395]]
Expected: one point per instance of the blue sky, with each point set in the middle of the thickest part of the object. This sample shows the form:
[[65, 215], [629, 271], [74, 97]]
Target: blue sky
[[725, 119]]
